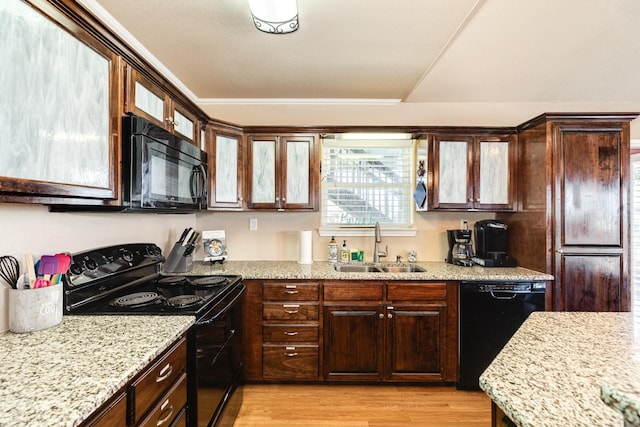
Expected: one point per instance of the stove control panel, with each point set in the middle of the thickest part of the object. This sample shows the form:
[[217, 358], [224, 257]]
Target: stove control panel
[[100, 263]]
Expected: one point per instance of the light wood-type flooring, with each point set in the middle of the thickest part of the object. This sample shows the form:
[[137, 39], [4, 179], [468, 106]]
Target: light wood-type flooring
[[362, 406]]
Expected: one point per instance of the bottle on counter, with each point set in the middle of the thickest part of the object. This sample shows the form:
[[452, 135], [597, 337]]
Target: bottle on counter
[[344, 252], [333, 250]]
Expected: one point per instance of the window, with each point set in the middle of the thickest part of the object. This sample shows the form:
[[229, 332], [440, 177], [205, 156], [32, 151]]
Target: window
[[366, 181]]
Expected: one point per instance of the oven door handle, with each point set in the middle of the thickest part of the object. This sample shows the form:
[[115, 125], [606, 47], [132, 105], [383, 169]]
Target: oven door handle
[[224, 310]]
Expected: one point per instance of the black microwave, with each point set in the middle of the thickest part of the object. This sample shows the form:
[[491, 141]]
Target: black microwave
[[160, 171]]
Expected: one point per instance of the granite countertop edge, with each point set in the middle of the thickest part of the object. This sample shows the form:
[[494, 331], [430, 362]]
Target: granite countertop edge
[[69, 371], [323, 270]]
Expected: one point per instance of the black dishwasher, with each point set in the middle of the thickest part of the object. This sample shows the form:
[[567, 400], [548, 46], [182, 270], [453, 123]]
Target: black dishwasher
[[489, 315]]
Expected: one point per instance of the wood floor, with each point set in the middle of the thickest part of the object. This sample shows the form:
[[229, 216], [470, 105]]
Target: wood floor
[[362, 406]]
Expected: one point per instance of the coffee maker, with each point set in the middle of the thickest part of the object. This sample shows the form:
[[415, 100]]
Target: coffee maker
[[460, 248], [491, 244]]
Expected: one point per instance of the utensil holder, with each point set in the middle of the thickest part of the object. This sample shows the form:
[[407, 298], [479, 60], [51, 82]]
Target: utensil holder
[[32, 310]]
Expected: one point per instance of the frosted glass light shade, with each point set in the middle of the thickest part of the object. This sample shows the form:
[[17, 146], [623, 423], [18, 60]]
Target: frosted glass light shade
[[275, 16]]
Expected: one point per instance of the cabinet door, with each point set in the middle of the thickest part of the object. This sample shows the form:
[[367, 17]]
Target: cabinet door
[[262, 153], [225, 170], [589, 282], [60, 89], [494, 175], [145, 99], [353, 337], [298, 180], [416, 336], [452, 162], [183, 122]]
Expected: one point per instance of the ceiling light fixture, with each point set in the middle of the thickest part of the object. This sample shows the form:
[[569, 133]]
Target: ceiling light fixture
[[275, 16]]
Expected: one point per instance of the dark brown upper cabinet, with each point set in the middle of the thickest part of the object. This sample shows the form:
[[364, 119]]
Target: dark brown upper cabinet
[[146, 99], [473, 172], [62, 88], [225, 147], [283, 172]]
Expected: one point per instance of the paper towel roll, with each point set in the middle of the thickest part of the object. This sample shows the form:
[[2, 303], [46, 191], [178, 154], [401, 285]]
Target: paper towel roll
[[305, 248]]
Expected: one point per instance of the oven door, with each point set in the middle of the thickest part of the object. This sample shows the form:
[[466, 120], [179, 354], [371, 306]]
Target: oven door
[[216, 369]]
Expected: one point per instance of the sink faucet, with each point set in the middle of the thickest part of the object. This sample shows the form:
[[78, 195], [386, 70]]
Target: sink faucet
[[376, 253]]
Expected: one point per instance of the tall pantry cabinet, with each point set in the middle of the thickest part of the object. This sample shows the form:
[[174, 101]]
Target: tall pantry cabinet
[[573, 214]]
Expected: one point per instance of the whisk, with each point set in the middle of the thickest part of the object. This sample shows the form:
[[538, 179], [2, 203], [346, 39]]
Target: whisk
[[10, 270]]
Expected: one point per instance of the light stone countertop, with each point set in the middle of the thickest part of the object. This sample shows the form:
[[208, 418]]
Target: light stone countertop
[[322, 270], [560, 368], [61, 375]]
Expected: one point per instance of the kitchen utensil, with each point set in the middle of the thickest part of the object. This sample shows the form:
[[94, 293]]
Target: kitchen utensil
[[10, 270], [64, 261], [185, 242], [184, 235], [28, 261], [47, 266]]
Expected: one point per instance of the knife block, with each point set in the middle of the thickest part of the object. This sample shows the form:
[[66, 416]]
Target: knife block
[[179, 259]]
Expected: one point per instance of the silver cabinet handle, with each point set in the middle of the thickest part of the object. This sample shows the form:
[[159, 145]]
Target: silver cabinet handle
[[168, 416], [381, 316], [291, 334], [290, 292], [291, 354], [164, 373], [291, 311]]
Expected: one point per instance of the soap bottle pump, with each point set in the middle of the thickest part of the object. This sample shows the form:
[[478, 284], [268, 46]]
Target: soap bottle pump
[[333, 250], [344, 253]]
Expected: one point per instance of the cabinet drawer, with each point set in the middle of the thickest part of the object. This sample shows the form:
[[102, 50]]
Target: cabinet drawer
[[416, 292], [369, 291], [113, 415], [291, 292], [302, 311], [290, 333], [290, 362], [155, 381], [169, 406]]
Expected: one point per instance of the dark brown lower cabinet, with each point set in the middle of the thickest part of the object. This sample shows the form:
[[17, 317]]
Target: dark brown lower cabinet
[[367, 331], [407, 336], [353, 342]]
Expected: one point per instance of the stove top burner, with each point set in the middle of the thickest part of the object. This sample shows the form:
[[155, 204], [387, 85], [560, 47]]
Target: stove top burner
[[184, 301], [209, 281], [138, 299], [171, 280]]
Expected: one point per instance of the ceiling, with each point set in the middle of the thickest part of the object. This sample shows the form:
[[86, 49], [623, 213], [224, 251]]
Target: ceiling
[[400, 62]]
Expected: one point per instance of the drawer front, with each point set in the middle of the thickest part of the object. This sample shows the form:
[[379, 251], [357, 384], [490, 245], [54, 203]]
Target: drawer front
[[290, 333], [353, 292], [114, 415], [291, 292], [274, 311], [154, 382], [417, 291], [290, 362], [169, 406]]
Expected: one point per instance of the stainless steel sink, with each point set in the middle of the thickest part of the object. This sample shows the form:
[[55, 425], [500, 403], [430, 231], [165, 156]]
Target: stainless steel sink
[[357, 268], [379, 268], [402, 268]]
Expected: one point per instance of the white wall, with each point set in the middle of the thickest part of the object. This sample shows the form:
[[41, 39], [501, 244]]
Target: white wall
[[33, 229]]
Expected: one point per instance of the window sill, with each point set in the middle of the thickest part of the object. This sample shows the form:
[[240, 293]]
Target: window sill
[[366, 231]]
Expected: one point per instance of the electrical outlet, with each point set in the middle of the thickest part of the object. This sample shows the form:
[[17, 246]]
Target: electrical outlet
[[253, 224]]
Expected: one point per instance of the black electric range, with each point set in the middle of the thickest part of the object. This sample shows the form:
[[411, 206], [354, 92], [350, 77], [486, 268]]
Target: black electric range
[[126, 280]]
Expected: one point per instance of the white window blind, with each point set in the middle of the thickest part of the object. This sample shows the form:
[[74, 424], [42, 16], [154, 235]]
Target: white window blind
[[367, 181]]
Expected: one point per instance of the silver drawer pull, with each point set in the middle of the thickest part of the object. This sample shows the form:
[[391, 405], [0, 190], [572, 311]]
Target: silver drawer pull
[[291, 354], [290, 292], [164, 373], [291, 334], [167, 417], [291, 311]]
